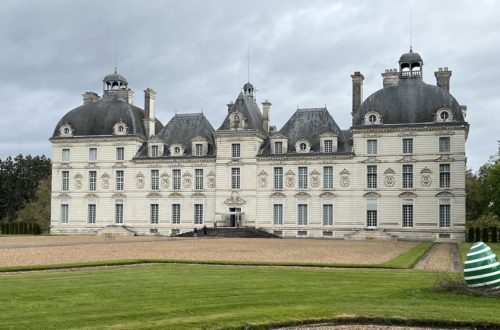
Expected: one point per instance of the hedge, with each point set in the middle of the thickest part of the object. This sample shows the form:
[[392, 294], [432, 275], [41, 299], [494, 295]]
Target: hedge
[[20, 228]]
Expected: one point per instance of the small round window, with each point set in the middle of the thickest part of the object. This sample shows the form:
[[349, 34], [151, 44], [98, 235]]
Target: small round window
[[120, 128], [372, 119], [177, 150], [444, 115], [303, 146], [66, 130]]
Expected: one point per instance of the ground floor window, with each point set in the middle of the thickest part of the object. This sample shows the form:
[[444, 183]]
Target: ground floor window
[[278, 214], [176, 214], [91, 213], [302, 214], [408, 213], [153, 213], [64, 213], [198, 214], [444, 213], [119, 213], [371, 213], [327, 214]]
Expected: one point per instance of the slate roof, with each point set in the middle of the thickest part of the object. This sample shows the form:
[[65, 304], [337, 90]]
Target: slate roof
[[410, 57], [182, 128], [410, 102], [250, 110], [115, 77], [99, 118]]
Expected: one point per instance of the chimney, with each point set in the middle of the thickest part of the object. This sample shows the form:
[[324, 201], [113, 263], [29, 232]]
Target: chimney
[[266, 106], [90, 97], [357, 91], [125, 94], [149, 109], [463, 109], [229, 106], [443, 78], [390, 77]]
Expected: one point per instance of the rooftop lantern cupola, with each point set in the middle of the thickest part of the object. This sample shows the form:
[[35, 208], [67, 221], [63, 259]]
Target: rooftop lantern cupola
[[248, 89], [410, 65], [114, 82]]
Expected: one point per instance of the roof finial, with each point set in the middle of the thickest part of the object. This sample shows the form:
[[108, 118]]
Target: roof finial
[[248, 63], [116, 55], [411, 30]]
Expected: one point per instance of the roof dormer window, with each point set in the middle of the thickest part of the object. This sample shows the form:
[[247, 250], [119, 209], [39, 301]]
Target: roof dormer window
[[120, 128], [66, 130], [444, 115], [176, 150], [372, 118], [302, 146]]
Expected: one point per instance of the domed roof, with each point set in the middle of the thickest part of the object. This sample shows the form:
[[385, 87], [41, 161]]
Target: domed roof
[[248, 85], [410, 102], [410, 57], [115, 77], [99, 118]]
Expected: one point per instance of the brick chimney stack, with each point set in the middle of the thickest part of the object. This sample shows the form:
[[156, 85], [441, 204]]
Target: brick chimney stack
[[357, 92], [443, 78], [90, 97], [149, 109], [390, 77]]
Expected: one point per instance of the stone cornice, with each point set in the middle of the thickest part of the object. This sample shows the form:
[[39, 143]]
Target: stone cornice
[[174, 160], [237, 133], [92, 139], [408, 129], [305, 157]]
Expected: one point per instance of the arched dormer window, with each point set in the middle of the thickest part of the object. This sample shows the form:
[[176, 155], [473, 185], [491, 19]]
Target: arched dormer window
[[415, 69], [176, 150], [373, 118], [66, 130], [302, 146], [120, 128], [444, 115]]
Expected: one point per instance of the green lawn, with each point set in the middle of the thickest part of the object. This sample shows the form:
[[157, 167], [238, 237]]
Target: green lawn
[[464, 248], [203, 296]]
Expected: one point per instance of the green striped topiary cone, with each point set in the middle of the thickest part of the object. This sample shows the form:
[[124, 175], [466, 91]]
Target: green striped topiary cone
[[481, 267]]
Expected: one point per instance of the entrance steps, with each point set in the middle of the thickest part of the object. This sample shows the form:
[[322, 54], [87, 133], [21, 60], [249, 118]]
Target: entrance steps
[[116, 230], [234, 232], [369, 234]]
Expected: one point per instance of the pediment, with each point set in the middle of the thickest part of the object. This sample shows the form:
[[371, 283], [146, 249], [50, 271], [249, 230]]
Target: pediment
[[328, 134], [234, 200], [198, 195], [63, 196], [175, 195], [389, 171], [302, 194], [277, 194], [426, 170], [198, 138], [445, 194], [278, 136], [91, 196], [118, 195], [289, 173], [407, 194], [153, 195], [327, 194], [372, 194]]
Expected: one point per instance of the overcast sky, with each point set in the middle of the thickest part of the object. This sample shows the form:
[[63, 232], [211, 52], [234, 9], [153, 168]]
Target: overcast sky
[[194, 54]]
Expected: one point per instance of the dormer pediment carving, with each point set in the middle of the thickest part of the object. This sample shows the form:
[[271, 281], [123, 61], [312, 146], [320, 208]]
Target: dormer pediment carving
[[175, 195], [302, 194], [407, 194], [327, 194], [277, 194], [372, 194]]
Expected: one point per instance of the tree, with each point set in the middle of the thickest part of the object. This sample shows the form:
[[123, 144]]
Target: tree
[[492, 186], [476, 201], [38, 210]]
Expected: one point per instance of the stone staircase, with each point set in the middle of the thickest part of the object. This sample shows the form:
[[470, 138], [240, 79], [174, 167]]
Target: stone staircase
[[231, 232], [115, 230], [369, 234]]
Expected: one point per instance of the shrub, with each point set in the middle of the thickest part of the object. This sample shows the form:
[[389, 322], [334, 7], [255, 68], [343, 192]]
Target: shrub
[[470, 234]]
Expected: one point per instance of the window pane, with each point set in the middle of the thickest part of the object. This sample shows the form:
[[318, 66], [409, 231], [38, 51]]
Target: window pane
[[65, 155], [199, 149], [328, 177], [407, 215], [444, 144], [235, 178], [198, 214], [328, 146], [302, 177], [235, 150], [327, 214], [92, 154], [119, 213], [278, 214], [119, 180], [408, 146], [155, 179], [154, 151], [65, 181], [371, 147], [198, 178], [176, 213], [176, 179], [64, 213], [154, 208], [302, 214], [278, 178], [91, 213], [444, 176], [278, 147], [371, 176], [407, 176], [119, 153], [444, 216], [92, 180]]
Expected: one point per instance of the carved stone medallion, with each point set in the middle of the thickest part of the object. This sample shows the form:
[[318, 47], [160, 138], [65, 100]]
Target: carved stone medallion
[[426, 181], [389, 181], [344, 181]]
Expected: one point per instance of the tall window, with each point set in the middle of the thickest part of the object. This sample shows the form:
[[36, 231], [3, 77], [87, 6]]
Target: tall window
[[407, 212], [371, 147], [176, 214], [155, 179], [118, 212], [444, 144], [371, 213], [65, 155], [328, 177], [92, 180], [278, 178], [328, 146], [198, 214], [176, 179], [235, 178], [154, 151], [407, 176], [444, 175], [235, 150], [371, 176], [327, 214], [302, 177], [278, 147], [120, 153], [153, 213], [64, 213], [444, 213], [92, 154], [198, 149], [198, 178], [278, 214], [91, 213], [407, 146], [302, 214], [65, 181], [119, 180]]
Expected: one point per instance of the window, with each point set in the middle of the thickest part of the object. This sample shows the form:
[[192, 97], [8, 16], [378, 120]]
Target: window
[[278, 214], [176, 214], [371, 147], [278, 147], [407, 212], [154, 151], [328, 177], [120, 128], [198, 149], [64, 213], [153, 213], [155, 179], [198, 179], [302, 146], [328, 146], [119, 180], [198, 214], [372, 119], [120, 153], [235, 178], [176, 179], [302, 214], [444, 115], [371, 213], [327, 214], [444, 213], [407, 146], [278, 178], [407, 176], [92, 154], [177, 150], [235, 150], [65, 155], [371, 176], [302, 177], [91, 213], [444, 144], [92, 180], [444, 175], [118, 212], [65, 181]]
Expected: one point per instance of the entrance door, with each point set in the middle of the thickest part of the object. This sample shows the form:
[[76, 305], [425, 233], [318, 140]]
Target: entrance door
[[234, 216]]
